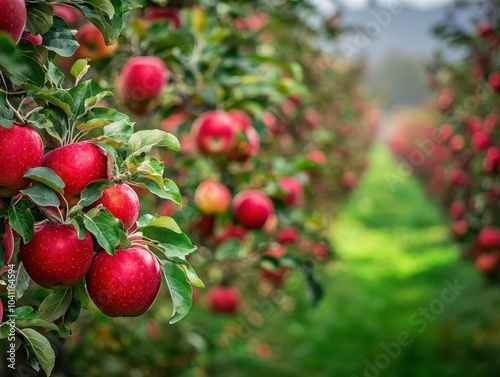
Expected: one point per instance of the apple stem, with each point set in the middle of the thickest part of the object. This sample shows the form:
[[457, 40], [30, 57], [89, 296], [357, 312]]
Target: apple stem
[[18, 116]]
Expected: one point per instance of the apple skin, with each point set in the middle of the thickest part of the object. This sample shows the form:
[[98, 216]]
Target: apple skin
[[294, 193], [125, 284], [231, 232], [487, 263], [21, 148], [1, 310], [214, 132], [489, 238], [288, 235], [13, 18], [77, 165], [35, 39], [141, 81], [92, 44], [244, 149], [165, 13], [252, 208], [68, 14], [8, 243], [212, 197], [481, 141], [123, 203], [225, 300], [494, 80], [55, 257], [349, 180]]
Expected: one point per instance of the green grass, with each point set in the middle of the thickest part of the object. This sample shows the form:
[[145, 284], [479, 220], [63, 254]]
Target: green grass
[[394, 258]]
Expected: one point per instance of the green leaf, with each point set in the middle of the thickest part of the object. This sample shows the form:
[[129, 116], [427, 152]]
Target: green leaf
[[46, 176], [79, 226], [165, 231], [80, 93], [168, 191], [93, 192], [57, 97], [60, 39], [191, 274], [119, 127], [55, 74], [80, 294], [55, 305], [22, 281], [80, 68], [22, 221], [39, 17], [101, 223], [28, 317], [94, 100], [143, 141], [228, 249], [70, 317], [42, 195], [180, 290], [7, 117], [39, 348]]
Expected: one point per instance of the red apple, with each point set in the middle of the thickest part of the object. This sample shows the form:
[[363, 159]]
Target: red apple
[[487, 263], [92, 44], [445, 100], [485, 29], [35, 39], [280, 275], [215, 132], [248, 140], [55, 257], [205, 225], [68, 14], [460, 228], [349, 180], [489, 238], [172, 122], [294, 193], [252, 208], [77, 165], [456, 143], [317, 157], [124, 284], [457, 210], [212, 197], [288, 235], [21, 148], [494, 80], [141, 82], [231, 232], [123, 203], [13, 18], [223, 300], [166, 13], [168, 208], [321, 250]]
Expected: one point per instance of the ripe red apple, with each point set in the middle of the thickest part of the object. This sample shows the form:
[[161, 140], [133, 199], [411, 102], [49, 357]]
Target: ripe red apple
[[487, 262], [489, 238], [212, 197], [460, 228], [35, 39], [215, 132], [13, 18], [456, 143], [124, 284], [485, 29], [55, 257], [168, 208], [494, 80], [165, 13], [21, 148], [294, 192], [68, 14], [280, 275], [288, 235], [481, 141], [252, 208], [92, 44], [205, 225], [317, 156], [457, 210], [321, 250], [231, 232], [491, 161], [349, 180], [223, 300], [445, 99], [173, 121], [8, 243], [77, 165], [247, 139], [123, 203], [141, 82]]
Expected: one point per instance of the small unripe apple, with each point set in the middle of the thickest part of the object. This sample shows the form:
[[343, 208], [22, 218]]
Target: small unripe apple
[[223, 300], [212, 197], [92, 44], [13, 18], [489, 238], [55, 257], [141, 81], [21, 148], [124, 284], [215, 132], [294, 193], [123, 203], [164, 13], [77, 165], [252, 208]]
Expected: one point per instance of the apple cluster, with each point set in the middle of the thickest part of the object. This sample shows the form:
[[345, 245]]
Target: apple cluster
[[458, 158]]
